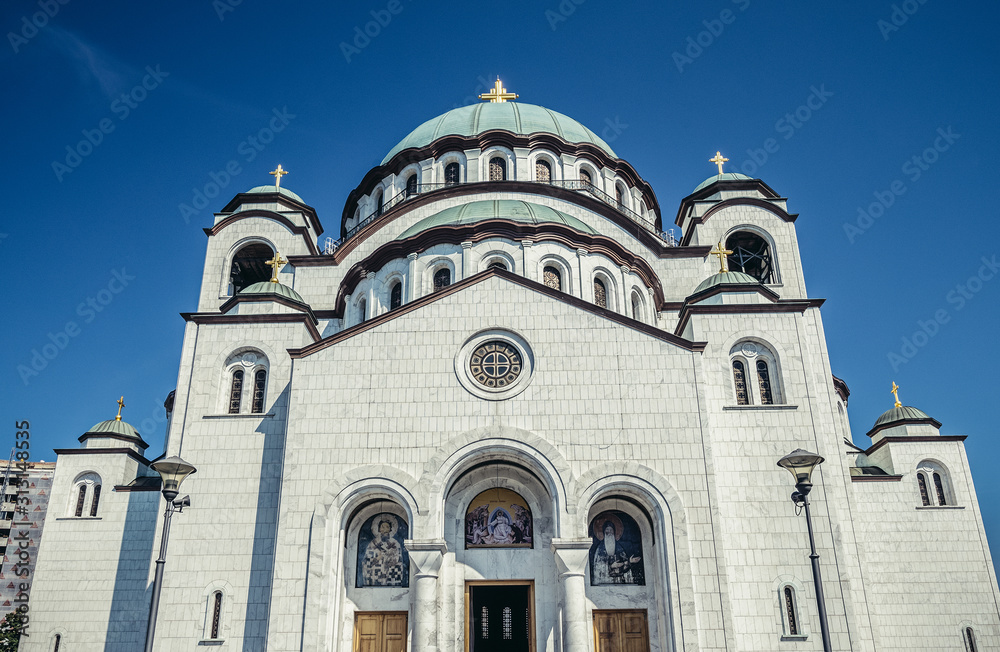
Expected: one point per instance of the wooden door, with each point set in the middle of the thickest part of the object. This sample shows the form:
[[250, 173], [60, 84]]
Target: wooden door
[[380, 631], [621, 631]]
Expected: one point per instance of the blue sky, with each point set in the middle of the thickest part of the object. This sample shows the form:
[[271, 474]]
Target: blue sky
[[843, 102]]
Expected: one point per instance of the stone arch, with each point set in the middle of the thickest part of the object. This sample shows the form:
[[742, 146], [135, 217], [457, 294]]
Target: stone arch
[[226, 288]]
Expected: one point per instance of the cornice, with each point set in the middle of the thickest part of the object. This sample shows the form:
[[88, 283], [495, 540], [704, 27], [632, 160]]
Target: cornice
[[915, 440], [102, 451], [306, 320], [780, 306], [269, 215], [929, 421]]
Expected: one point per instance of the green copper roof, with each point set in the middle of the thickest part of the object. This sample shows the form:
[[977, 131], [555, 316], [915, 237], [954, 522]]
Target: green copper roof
[[728, 176], [267, 288], [522, 119], [115, 427], [506, 209], [737, 278], [900, 414], [271, 189]]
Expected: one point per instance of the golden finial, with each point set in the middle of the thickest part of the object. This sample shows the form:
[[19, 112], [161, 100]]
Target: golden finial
[[718, 160], [895, 392], [498, 94], [121, 404], [721, 252], [277, 174], [275, 264]]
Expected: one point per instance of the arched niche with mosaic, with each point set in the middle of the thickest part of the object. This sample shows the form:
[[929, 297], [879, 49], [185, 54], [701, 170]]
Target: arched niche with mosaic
[[498, 518], [616, 555], [382, 558]]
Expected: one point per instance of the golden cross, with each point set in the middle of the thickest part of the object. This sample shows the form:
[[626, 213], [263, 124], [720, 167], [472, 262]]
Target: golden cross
[[498, 94], [895, 392], [121, 404], [277, 174], [718, 160], [721, 252], [275, 264]]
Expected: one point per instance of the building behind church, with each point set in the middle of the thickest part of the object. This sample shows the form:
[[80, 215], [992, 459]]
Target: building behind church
[[507, 409]]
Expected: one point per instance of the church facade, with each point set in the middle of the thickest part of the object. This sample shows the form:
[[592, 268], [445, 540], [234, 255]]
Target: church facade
[[505, 410]]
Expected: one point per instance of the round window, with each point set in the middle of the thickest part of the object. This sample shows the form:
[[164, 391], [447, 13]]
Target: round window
[[495, 364]]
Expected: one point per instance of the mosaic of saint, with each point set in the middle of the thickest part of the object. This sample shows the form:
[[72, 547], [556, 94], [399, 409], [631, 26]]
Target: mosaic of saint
[[616, 555], [498, 518], [382, 559]]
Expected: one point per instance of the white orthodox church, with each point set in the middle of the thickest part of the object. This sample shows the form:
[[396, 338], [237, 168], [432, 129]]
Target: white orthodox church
[[507, 410]]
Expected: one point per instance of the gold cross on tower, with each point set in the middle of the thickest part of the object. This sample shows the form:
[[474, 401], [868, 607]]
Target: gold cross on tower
[[895, 392], [275, 264], [721, 252], [718, 160], [498, 94], [121, 404], [277, 174]]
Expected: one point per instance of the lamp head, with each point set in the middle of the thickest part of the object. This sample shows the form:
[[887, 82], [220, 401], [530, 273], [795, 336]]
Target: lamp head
[[800, 463], [172, 470]]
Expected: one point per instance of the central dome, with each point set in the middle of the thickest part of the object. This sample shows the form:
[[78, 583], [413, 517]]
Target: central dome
[[521, 119], [488, 209]]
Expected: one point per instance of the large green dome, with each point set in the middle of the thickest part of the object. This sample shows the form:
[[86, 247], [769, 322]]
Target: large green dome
[[522, 119], [504, 209]]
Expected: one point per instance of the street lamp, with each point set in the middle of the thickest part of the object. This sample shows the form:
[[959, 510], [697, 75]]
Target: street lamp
[[800, 464], [172, 470]]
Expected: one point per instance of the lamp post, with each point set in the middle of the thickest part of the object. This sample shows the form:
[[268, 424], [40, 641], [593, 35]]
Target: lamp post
[[172, 470], [800, 464]]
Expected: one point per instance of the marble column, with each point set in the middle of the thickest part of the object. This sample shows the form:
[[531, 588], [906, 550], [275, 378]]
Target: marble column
[[466, 260], [571, 560], [411, 281], [373, 309], [626, 295], [425, 558], [525, 263], [582, 291]]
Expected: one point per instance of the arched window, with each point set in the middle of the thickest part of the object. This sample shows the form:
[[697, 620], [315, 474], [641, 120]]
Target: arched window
[[636, 307], [216, 615], [411, 185], [543, 171], [939, 490], [259, 382], [791, 622], [379, 203], [396, 295], [95, 500], [751, 255], [442, 279], [362, 311], [86, 484], [498, 264], [498, 169], [56, 641], [236, 392], [970, 640], [925, 499], [552, 278], [764, 380], [80, 499], [740, 379], [934, 484], [452, 173], [585, 177], [620, 194], [248, 266], [600, 293]]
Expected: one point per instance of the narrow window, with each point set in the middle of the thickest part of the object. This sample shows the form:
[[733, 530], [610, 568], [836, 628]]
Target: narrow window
[[498, 169], [636, 307], [58, 640], [362, 311], [484, 619], [600, 293], [793, 627], [96, 500], [452, 172], [970, 639], [922, 482], [740, 378], [619, 195], [379, 203], [764, 380], [236, 392], [259, 380], [508, 624], [442, 279], [216, 615], [552, 278], [586, 178], [396, 296], [939, 488], [80, 499], [543, 171], [411, 185]]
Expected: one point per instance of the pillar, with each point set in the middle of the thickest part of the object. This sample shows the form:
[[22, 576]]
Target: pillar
[[571, 560], [582, 290], [466, 260], [425, 557], [411, 281]]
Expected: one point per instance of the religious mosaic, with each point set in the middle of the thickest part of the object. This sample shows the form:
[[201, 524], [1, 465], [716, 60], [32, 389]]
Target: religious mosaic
[[616, 554], [498, 518], [382, 558]]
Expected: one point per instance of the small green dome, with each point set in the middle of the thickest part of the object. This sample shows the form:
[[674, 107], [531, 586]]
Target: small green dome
[[727, 278], [267, 288], [260, 190], [115, 427], [727, 176], [506, 209], [903, 413], [521, 119]]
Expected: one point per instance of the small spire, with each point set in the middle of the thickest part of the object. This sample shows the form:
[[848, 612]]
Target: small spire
[[721, 252], [718, 160], [275, 264], [895, 392], [498, 95], [277, 174], [121, 404]]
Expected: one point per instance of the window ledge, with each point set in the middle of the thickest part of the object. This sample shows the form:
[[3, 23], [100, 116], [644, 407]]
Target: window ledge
[[940, 507], [239, 416], [794, 637], [78, 518], [779, 406], [211, 641]]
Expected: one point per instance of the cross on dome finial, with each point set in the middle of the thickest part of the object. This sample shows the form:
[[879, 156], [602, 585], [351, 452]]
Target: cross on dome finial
[[277, 174], [895, 392], [275, 264], [721, 252], [718, 160], [498, 95], [121, 404]]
